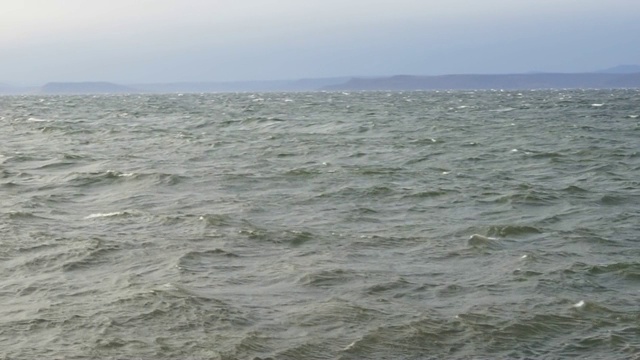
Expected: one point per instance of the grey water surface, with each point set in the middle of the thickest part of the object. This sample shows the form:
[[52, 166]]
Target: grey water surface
[[374, 225]]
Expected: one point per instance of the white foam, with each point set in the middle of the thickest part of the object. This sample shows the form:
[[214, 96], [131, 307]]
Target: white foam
[[348, 347], [482, 237], [119, 174], [100, 215], [597, 105], [579, 304]]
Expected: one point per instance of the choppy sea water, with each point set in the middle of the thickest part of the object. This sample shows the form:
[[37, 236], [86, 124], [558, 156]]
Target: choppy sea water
[[418, 225]]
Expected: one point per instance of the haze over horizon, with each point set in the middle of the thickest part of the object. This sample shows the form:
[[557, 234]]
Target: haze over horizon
[[219, 40]]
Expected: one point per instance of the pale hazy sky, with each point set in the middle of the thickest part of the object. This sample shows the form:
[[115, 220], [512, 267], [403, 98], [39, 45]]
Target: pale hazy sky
[[129, 41]]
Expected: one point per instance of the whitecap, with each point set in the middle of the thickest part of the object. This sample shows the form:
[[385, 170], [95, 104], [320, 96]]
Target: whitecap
[[579, 304], [597, 105], [479, 237], [350, 346], [118, 174], [99, 215]]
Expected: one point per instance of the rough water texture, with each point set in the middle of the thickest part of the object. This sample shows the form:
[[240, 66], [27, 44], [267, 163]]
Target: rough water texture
[[417, 225]]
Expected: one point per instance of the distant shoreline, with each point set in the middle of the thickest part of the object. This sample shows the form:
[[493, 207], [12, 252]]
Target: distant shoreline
[[487, 82], [619, 77]]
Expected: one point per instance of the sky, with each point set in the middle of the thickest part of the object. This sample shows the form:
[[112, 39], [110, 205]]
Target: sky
[[151, 41]]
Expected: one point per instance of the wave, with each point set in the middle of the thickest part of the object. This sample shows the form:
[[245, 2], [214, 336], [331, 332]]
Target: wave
[[327, 278], [477, 240], [209, 260], [428, 335], [431, 193], [96, 257], [624, 270], [111, 214], [24, 215], [390, 287], [512, 230], [529, 197], [217, 220], [108, 177]]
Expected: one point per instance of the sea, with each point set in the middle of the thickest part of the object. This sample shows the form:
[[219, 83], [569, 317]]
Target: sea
[[321, 225]]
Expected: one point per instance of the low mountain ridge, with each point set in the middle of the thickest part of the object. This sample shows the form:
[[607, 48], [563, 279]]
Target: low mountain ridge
[[488, 82], [621, 76], [621, 69]]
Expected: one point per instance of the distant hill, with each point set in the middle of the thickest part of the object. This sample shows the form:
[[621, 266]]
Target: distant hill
[[85, 88], [503, 81], [315, 84], [621, 76], [621, 69]]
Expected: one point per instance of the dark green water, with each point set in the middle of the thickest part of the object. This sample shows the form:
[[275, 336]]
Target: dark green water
[[321, 226]]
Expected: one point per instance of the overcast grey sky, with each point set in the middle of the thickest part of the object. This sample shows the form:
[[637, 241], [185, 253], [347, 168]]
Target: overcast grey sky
[[129, 41]]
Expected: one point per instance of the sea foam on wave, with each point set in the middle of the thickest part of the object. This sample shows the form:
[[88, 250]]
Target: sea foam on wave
[[111, 214]]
